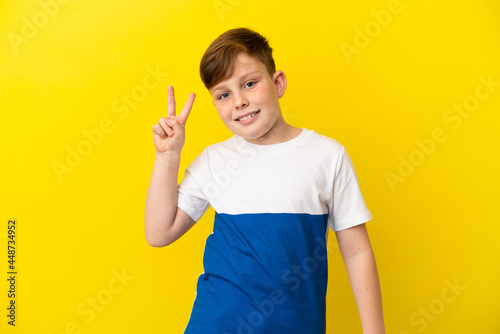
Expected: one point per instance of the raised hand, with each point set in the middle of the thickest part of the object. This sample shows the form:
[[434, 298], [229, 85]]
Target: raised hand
[[169, 133]]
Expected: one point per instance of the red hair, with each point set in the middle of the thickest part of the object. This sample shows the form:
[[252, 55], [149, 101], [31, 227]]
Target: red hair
[[217, 63]]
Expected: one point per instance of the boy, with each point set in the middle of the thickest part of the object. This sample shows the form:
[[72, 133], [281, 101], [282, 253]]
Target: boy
[[275, 189]]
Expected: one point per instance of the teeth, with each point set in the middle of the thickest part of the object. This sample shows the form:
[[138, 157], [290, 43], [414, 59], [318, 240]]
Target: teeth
[[247, 117]]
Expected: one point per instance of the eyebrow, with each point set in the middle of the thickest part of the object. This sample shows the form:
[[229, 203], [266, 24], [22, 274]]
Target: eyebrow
[[242, 77]]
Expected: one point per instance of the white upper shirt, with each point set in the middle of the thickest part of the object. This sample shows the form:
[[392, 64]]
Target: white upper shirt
[[310, 173]]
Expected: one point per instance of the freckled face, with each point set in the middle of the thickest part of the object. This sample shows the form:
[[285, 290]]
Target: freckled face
[[248, 101]]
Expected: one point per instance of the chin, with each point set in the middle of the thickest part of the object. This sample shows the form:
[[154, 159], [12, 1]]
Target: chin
[[253, 135]]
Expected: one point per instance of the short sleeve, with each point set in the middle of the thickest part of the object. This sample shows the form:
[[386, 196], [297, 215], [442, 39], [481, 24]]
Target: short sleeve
[[190, 196], [348, 208]]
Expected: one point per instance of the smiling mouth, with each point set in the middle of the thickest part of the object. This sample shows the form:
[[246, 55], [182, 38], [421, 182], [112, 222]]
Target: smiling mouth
[[248, 116]]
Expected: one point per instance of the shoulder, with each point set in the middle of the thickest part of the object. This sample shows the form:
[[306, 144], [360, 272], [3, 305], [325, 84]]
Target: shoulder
[[217, 147], [213, 153], [323, 143], [226, 144]]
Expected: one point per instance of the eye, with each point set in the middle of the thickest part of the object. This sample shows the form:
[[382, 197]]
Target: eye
[[223, 96], [250, 84]]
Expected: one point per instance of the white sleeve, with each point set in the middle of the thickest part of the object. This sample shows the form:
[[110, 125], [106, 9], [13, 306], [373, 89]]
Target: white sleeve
[[190, 196], [348, 208]]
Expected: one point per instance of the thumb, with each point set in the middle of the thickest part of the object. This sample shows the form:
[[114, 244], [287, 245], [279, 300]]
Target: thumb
[[174, 123]]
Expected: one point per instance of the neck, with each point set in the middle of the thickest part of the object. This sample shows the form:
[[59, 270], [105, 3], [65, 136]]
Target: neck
[[280, 133]]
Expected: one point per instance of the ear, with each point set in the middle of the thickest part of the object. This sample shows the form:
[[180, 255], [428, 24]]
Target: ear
[[279, 79]]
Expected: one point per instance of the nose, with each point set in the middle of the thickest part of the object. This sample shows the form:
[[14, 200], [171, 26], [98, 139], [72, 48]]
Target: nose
[[240, 100]]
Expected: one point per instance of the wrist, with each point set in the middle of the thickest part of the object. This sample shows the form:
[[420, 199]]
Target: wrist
[[173, 155]]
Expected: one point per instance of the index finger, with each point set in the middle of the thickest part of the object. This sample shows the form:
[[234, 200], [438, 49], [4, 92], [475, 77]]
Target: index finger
[[171, 101]]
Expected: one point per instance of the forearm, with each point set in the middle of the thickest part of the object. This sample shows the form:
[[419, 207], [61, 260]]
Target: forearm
[[161, 200], [363, 277]]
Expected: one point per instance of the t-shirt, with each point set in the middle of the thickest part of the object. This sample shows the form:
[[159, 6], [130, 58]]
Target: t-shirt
[[265, 263]]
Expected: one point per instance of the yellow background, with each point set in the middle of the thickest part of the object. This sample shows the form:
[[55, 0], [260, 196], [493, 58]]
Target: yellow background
[[77, 232]]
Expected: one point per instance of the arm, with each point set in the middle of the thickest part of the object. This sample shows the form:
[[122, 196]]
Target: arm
[[164, 221], [359, 261]]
